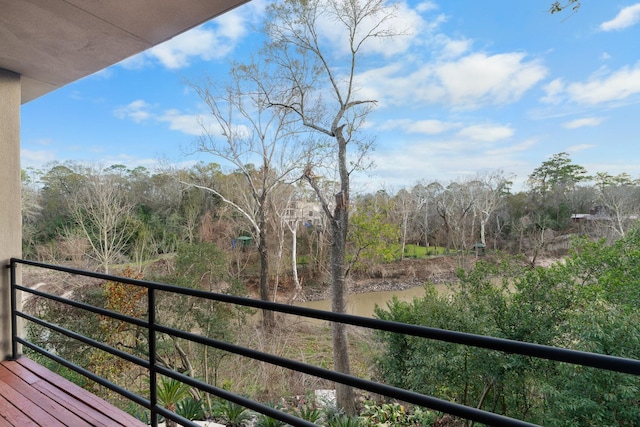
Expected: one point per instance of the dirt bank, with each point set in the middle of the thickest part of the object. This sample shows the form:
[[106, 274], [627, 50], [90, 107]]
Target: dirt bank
[[398, 275]]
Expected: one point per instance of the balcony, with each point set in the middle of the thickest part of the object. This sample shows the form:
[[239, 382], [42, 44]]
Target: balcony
[[63, 401], [34, 396]]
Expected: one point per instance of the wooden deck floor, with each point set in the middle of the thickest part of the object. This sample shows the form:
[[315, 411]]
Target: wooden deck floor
[[31, 395]]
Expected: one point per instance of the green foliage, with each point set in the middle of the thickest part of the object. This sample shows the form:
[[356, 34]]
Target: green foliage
[[587, 304], [266, 421], [191, 409], [308, 412], [557, 174], [232, 414], [344, 421], [607, 272], [171, 391], [387, 414], [552, 184], [373, 235], [417, 251]]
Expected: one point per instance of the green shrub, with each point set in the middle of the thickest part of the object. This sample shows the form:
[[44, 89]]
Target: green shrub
[[191, 409], [232, 414]]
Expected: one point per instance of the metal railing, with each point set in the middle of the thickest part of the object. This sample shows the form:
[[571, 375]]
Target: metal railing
[[153, 328]]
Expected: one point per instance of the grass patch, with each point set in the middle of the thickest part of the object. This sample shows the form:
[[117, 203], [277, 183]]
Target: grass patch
[[417, 251]]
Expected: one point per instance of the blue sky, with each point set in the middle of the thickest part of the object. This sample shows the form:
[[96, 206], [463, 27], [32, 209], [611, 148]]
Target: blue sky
[[474, 86]]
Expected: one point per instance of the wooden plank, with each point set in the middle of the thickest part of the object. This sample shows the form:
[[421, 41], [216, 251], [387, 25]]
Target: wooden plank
[[5, 423], [87, 413], [50, 413], [12, 416], [31, 395], [39, 416], [81, 395]]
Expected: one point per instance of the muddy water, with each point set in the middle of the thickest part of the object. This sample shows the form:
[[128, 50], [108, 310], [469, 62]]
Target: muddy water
[[363, 304]]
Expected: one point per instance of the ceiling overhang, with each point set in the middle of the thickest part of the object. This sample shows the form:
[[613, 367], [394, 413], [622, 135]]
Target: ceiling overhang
[[51, 43]]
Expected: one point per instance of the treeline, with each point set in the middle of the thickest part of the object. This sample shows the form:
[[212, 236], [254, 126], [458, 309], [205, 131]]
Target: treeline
[[98, 217]]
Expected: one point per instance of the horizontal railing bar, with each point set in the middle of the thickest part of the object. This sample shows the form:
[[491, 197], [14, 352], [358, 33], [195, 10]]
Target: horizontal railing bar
[[175, 417], [88, 307], [605, 362], [89, 341], [600, 361], [105, 383], [374, 387], [243, 401]]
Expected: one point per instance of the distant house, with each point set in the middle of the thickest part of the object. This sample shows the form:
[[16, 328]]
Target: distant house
[[597, 213], [306, 213]]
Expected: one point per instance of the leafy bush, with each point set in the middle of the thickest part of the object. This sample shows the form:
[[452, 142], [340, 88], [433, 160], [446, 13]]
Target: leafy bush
[[308, 412], [266, 421], [191, 409], [589, 303], [232, 414], [394, 415]]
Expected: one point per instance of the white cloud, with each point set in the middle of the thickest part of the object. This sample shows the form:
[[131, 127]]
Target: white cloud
[[451, 48], [554, 92], [626, 18], [470, 82], [190, 124], [584, 122], [36, 157], [203, 43], [513, 149], [607, 87], [138, 111], [486, 133], [426, 6], [479, 79], [427, 127], [443, 160], [215, 39], [579, 147]]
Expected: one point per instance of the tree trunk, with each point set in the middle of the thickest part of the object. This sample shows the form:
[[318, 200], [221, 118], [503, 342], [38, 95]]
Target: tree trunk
[[339, 227], [344, 394], [294, 261], [268, 320]]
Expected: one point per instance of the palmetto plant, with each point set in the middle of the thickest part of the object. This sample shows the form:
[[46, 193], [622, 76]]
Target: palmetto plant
[[232, 414], [191, 409], [170, 392]]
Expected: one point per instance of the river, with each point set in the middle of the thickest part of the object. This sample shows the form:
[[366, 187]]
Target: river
[[363, 304]]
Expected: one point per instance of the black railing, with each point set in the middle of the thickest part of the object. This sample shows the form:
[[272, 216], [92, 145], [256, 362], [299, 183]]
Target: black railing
[[599, 361]]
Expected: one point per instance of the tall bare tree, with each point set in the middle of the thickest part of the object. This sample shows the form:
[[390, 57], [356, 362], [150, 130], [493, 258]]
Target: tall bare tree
[[257, 139], [320, 88], [102, 212], [619, 202], [489, 188]]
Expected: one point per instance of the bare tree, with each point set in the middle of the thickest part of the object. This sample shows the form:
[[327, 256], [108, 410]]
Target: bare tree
[[248, 130], [102, 211], [455, 205], [489, 191], [404, 206], [320, 88], [619, 202], [288, 218], [425, 196]]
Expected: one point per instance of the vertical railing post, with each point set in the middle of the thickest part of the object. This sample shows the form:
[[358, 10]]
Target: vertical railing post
[[153, 380], [14, 307]]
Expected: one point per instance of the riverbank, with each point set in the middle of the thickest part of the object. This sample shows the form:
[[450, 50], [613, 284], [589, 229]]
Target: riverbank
[[396, 276]]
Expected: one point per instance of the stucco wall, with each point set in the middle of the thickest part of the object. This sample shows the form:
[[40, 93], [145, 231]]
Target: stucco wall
[[10, 204]]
